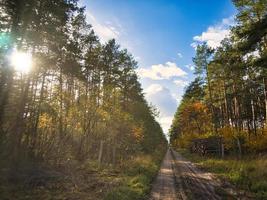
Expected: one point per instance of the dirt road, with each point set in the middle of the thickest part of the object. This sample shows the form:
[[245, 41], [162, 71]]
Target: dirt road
[[196, 184], [164, 186], [180, 179]]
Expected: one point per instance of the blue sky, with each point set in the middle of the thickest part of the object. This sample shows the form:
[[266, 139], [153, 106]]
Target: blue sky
[[162, 34]]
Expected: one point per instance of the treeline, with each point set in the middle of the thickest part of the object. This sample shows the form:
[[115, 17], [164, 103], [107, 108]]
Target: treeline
[[228, 98], [81, 99]]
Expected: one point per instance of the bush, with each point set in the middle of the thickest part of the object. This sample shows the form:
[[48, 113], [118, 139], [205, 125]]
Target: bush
[[257, 143]]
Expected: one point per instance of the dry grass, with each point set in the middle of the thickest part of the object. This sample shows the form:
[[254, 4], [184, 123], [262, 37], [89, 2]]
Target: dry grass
[[81, 180], [248, 173]]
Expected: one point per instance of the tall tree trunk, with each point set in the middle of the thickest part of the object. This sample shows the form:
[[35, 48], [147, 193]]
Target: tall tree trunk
[[265, 98], [211, 102], [236, 108], [8, 80], [253, 116], [239, 147], [35, 128], [18, 128], [61, 104]]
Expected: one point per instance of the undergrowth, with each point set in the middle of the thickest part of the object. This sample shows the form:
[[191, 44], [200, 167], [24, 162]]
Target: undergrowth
[[248, 173], [137, 176], [129, 180]]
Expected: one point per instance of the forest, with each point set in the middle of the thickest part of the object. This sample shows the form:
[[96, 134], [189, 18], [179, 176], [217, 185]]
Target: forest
[[75, 122], [228, 99], [66, 101]]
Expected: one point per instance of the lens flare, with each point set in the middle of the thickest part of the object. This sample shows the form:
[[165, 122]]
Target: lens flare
[[21, 61]]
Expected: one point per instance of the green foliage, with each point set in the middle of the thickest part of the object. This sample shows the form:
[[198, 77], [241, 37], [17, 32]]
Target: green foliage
[[140, 173], [82, 99], [202, 59], [248, 174], [232, 84]]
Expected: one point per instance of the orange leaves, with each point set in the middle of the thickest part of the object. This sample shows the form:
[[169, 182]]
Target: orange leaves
[[138, 133], [195, 119], [45, 121], [198, 106], [257, 143]]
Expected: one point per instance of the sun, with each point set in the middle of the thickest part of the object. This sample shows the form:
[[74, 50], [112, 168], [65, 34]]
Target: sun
[[21, 61]]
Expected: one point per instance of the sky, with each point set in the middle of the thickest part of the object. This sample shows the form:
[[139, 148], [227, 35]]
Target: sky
[[162, 36]]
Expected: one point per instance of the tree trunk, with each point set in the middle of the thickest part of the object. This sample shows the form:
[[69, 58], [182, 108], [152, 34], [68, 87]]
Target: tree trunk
[[211, 102], [8, 80], [222, 149], [100, 152], [253, 116], [265, 98], [18, 128], [114, 155], [35, 128], [61, 104], [236, 109], [239, 148], [226, 104]]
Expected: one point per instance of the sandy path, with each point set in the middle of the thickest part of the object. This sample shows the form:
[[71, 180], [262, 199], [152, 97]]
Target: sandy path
[[196, 183], [178, 179], [164, 186]]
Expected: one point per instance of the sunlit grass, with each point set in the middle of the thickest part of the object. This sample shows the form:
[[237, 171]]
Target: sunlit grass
[[138, 176], [248, 173]]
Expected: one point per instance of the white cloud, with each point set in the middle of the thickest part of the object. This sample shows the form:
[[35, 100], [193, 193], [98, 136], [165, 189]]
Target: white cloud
[[137, 58], [153, 89], [215, 34], [165, 123], [105, 31], [177, 97], [190, 67], [230, 21], [179, 55], [181, 83], [162, 98], [161, 71]]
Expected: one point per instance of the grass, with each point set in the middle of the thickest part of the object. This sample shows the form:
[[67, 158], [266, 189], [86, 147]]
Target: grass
[[75, 181], [138, 175], [248, 173], [82, 180]]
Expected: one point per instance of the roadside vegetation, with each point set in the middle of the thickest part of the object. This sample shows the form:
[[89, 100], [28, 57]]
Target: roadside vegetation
[[248, 174], [84, 180], [137, 178], [228, 100], [74, 123]]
